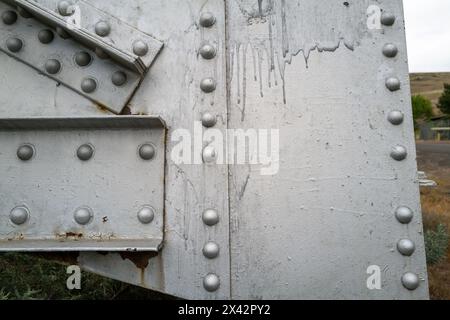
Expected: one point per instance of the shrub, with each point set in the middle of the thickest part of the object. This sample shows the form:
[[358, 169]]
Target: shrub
[[422, 108], [444, 100], [436, 244]]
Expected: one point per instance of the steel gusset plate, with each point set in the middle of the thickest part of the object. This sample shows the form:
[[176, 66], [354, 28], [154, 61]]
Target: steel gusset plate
[[82, 184], [98, 72]]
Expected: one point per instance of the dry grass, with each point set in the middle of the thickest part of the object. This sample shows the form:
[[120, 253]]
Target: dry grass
[[430, 85]]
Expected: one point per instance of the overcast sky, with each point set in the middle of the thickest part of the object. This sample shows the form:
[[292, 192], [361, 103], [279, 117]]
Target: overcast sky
[[428, 34]]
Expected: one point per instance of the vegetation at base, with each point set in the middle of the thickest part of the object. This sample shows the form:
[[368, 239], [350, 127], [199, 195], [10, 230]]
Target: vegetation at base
[[436, 244], [444, 100], [422, 109]]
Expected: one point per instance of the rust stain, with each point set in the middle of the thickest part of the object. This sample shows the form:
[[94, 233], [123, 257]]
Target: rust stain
[[69, 235], [140, 259], [102, 108], [126, 111]]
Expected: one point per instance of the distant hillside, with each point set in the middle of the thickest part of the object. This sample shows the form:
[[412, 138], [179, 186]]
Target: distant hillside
[[430, 85]]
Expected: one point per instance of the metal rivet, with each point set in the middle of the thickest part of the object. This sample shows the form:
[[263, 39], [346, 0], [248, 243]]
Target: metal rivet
[[101, 54], [410, 281], [46, 36], [209, 120], [140, 48], [147, 151], [62, 33], [211, 250], [85, 152], [390, 50], [25, 152], [387, 19], [19, 215], [119, 78], [65, 8], [102, 28], [14, 44], [24, 13], [207, 51], [406, 247], [404, 215], [207, 20], [211, 282], [83, 58], [83, 215], [9, 17], [208, 85], [210, 217], [88, 85], [396, 117], [146, 215], [393, 84], [209, 154], [399, 153], [52, 66]]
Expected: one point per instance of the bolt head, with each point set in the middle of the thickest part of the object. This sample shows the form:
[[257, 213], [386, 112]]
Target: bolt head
[[83, 59], [25, 152], [14, 44], [211, 282], [140, 48], [101, 54], [390, 50], [9, 17], [209, 120], [406, 247], [46, 36], [399, 153], [24, 13], [65, 8], [146, 215], [410, 281], [119, 78], [102, 28], [211, 250], [208, 51], [210, 217], [85, 152], [404, 215], [387, 19], [52, 66], [207, 20], [62, 33], [208, 85], [19, 215], [396, 117], [209, 154], [147, 151], [83, 215], [393, 84], [88, 85]]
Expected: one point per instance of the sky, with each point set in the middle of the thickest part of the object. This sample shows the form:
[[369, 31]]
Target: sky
[[428, 35]]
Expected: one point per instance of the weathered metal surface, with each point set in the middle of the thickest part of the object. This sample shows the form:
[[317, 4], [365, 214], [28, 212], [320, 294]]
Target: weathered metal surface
[[80, 184]]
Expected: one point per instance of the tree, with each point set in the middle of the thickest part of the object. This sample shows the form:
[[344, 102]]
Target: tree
[[444, 100], [422, 109]]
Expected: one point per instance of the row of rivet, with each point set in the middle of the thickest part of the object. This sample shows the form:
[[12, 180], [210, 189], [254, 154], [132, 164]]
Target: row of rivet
[[82, 215], [210, 217], [85, 152], [404, 215]]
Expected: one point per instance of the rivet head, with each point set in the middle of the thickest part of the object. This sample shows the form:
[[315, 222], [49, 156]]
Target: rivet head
[[65, 8], [207, 20], [46, 36], [140, 48], [9, 17], [208, 85], [62, 33], [406, 247], [210, 217], [211, 250], [147, 151], [83, 215], [209, 120], [209, 154], [410, 281], [211, 282], [387, 19], [404, 215], [101, 54], [119, 78], [19, 215], [396, 117], [102, 28], [146, 215], [88, 85], [24, 13], [52, 66], [85, 152], [83, 58], [14, 44], [208, 51], [390, 50], [25, 152], [393, 84], [399, 153]]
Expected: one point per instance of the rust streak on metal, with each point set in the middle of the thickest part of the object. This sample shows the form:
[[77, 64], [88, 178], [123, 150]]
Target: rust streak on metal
[[140, 259]]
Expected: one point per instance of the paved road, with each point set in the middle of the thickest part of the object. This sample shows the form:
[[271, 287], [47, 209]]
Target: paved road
[[434, 156]]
